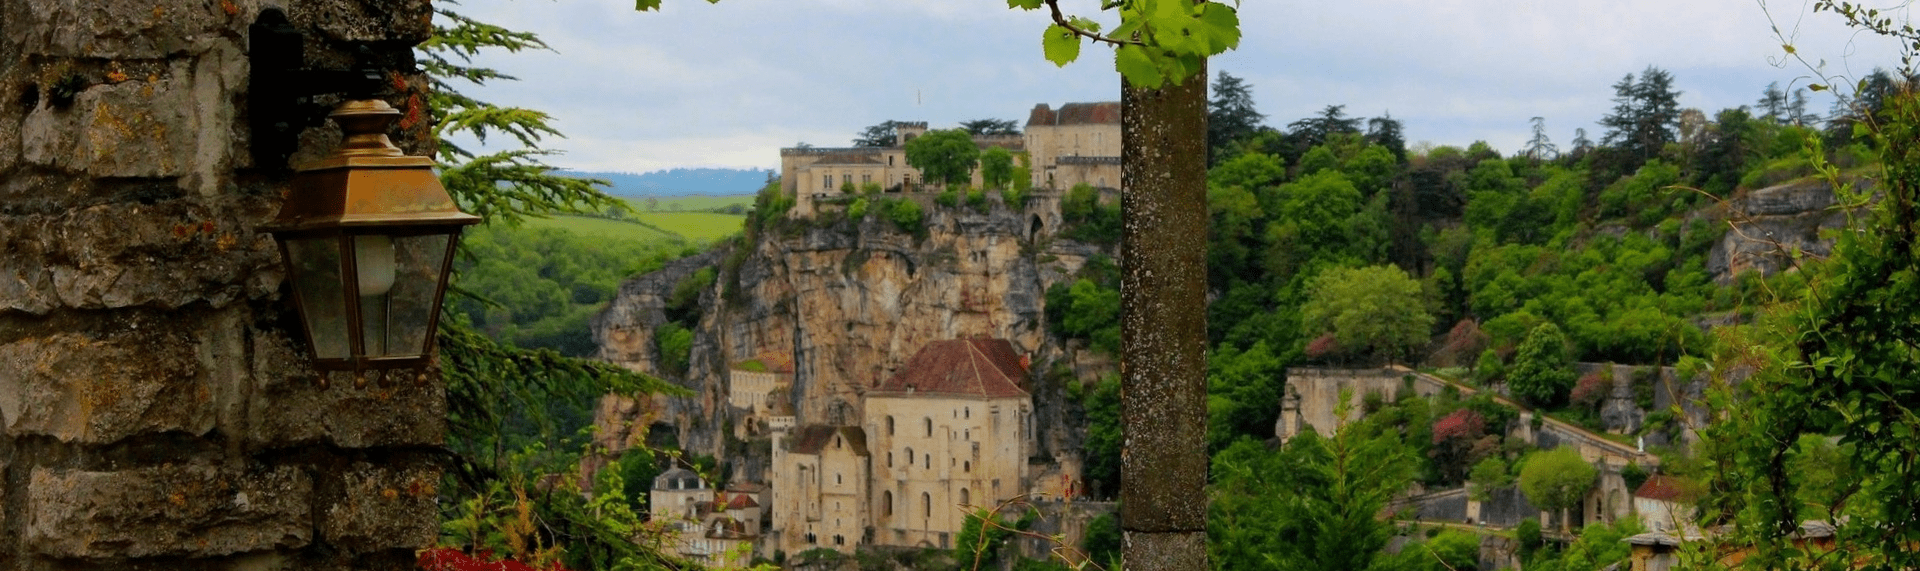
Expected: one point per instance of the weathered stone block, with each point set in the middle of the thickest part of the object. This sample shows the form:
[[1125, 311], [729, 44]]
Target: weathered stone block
[[103, 388], [364, 20], [383, 508], [89, 28], [193, 510], [143, 127], [165, 255], [289, 408]]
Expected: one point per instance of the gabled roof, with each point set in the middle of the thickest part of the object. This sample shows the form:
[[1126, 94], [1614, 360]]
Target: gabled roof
[[1663, 488], [1101, 113], [742, 501], [979, 367], [814, 438]]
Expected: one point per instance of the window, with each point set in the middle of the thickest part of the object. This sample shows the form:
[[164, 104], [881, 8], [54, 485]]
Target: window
[[846, 178], [837, 481], [929, 460], [889, 458], [968, 412], [839, 540], [966, 467], [866, 178], [826, 181], [929, 423], [965, 500], [909, 456], [889, 425], [886, 503], [926, 504]]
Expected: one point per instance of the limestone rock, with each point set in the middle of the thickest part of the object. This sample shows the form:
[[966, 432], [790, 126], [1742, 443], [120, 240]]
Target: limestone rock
[[185, 510], [382, 508], [104, 387], [1771, 226]]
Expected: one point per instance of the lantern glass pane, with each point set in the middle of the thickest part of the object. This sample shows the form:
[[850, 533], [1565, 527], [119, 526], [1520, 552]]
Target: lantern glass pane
[[315, 265], [405, 311]]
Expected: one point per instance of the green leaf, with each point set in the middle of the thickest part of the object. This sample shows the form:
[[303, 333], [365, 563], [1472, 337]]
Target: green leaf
[[1138, 67], [645, 5], [1219, 26], [1060, 44], [1084, 24], [1026, 4]]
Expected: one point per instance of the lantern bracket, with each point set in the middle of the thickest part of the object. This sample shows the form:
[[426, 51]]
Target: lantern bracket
[[282, 85]]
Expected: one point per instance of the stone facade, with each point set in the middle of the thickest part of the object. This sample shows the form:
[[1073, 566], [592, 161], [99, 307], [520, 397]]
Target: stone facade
[[1079, 143], [716, 528], [948, 434], [156, 408]]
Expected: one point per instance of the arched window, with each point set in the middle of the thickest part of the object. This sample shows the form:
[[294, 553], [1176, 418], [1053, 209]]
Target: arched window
[[929, 460], [836, 479], [889, 458], [889, 425], [926, 504], [909, 456], [966, 466], [965, 500], [886, 503], [929, 423], [967, 412]]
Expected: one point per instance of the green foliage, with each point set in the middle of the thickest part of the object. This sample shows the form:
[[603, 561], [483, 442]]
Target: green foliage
[[1541, 375], [905, 214], [1102, 541], [1231, 115], [1311, 504], [1598, 546], [1556, 479], [1449, 550], [1104, 435], [675, 344], [1087, 218], [1158, 41], [996, 167], [858, 210], [538, 287], [948, 198], [1528, 532], [1243, 394], [1086, 310], [1491, 473], [985, 533], [944, 156], [1376, 311], [977, 199]]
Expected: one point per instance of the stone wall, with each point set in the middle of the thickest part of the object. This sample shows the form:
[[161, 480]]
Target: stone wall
[[156, 409]]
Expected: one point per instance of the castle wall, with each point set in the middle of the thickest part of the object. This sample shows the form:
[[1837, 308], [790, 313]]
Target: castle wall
[[156, 408], [944, 457]]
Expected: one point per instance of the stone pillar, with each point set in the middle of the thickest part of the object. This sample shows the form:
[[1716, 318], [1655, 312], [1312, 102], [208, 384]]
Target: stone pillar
[[156, 409]]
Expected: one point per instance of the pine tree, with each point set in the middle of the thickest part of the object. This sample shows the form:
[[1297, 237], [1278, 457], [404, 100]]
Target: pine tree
[[1230, 115], [1772, 104], [1645, 115], [1386, 132], [881, 135], [1540, 148]]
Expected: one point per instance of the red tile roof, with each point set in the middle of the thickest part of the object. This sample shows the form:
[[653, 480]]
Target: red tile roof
[[1664, 488], [1102, 113], [813, 438], [742, 501], [971, 367]]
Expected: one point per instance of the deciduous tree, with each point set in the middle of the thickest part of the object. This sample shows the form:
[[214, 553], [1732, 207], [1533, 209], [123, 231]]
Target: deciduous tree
[[1375, 311], [944, 156], [1557, 479], [1541, 374]]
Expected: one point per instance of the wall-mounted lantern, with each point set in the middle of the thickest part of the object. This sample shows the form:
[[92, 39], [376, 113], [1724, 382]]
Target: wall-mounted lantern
[[368, 234]]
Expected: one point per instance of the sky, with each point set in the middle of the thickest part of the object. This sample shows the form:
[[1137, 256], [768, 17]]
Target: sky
[[728, 84]]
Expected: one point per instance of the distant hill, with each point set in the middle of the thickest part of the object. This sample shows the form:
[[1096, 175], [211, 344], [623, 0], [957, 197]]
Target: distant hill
[[681, 182]]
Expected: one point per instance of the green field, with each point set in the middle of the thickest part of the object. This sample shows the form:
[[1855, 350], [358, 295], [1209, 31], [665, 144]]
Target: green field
[[603, 228], [687, 203], [696, 226]]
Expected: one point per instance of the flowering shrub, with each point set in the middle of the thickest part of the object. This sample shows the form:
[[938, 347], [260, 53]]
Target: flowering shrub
[[1464, 424], [450, 559], [1322, 347], [1590, 389]]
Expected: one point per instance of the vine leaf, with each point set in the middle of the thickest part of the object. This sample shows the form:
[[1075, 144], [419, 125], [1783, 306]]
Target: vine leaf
[[1061, 45], [1138, 67]]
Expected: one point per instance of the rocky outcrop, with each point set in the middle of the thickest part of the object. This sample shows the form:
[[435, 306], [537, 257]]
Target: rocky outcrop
[[1772, 225], [850, 301]]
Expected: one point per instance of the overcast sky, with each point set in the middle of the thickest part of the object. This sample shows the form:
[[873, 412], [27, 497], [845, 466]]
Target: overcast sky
[[727, 85]]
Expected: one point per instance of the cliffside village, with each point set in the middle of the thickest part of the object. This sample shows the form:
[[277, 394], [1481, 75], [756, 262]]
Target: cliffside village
[[949, 432]]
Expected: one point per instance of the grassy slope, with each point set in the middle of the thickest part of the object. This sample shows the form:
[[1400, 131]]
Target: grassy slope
[[603, 228], [690, 203], [696, 226]]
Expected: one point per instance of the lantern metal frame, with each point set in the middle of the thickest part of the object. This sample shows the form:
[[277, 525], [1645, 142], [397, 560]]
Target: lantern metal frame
[[366, 188]]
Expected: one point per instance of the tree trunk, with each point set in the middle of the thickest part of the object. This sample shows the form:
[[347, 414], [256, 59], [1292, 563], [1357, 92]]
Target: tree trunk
[[1163, 324]]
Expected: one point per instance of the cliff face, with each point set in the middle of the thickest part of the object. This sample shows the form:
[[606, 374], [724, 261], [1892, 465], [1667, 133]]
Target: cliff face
[[850, 301], [1772, 223]]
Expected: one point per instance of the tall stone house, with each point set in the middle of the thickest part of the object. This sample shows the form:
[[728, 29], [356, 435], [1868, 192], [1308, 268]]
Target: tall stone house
[[1078, 143], [716, 528], [948, 433]]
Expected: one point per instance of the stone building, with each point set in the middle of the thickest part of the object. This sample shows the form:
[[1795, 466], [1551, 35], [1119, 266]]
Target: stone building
[[1079, 143], [1076, 144], [948, 433], [820, 484], [156, 410], [716, 528]]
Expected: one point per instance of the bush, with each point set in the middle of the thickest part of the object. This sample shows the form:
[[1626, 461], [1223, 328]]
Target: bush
[[948, 198], [858, 210], [977, 198], [906, 215]]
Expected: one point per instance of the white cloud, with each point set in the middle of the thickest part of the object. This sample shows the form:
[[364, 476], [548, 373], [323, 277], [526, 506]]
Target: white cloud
[[728, 84]]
